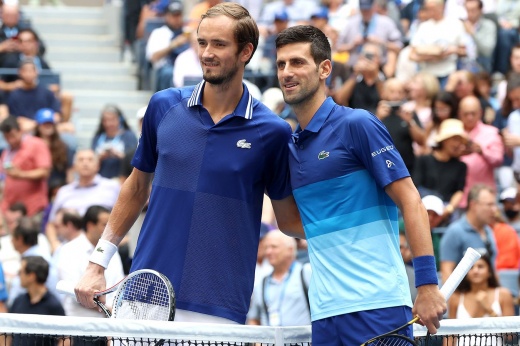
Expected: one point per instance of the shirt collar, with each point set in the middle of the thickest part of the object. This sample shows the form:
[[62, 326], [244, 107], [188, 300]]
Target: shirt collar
[[243, 109], [95, 181], [320, 116]]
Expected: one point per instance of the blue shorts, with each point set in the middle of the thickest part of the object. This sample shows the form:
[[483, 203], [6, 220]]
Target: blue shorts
[[355, 328]]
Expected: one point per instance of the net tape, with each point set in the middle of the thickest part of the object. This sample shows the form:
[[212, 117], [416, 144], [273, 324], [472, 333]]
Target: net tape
[[478, 331]]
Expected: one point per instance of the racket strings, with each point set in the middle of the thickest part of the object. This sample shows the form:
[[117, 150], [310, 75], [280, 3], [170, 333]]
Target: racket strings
[[143, 297], [391, 341]]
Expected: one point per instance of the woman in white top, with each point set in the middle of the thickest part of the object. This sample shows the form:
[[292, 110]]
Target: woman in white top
[[480, 295]]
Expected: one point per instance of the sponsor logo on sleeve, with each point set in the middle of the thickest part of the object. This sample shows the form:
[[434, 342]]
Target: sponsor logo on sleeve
[[382, 150]]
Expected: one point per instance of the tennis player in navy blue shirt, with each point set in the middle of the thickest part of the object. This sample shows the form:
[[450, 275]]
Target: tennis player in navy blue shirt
[[348, 181], [210, 151]]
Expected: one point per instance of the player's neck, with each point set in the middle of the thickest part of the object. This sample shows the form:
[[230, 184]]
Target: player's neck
[[221, 100], [305, 110]]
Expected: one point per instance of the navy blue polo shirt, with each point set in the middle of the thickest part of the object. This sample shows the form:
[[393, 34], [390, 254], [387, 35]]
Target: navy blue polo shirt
[[203, 221], [340, 165]]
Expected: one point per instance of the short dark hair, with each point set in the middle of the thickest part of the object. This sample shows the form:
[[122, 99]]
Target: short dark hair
[[37, 265], [246, 30], [92, 214], [28, 230], [31, 31], [73, 218], [9, 124], [320, 46], [18, 206], [480, 3]]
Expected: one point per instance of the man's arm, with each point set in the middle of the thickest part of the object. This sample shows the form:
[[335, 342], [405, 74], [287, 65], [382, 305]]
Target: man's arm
[[288, 217], [132, 198], [430, 304]]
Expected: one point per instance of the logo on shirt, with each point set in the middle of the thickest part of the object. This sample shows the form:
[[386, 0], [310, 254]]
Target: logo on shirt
[[323, 155], [382, 150], [243, 144], [99, 249], [389, 163]]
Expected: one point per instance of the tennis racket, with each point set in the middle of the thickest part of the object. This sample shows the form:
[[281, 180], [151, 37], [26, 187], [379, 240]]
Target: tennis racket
[[143, 295], [393, 338]]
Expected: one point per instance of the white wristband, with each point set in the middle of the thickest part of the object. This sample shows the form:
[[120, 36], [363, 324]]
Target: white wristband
[[103, 252]]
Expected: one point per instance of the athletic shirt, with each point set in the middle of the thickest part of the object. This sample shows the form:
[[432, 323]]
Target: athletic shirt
[[340, 165], [463, 313], [202, 226]]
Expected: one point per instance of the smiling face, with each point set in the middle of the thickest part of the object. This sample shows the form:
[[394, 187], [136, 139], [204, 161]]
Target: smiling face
[[218, 50], [298, 74]]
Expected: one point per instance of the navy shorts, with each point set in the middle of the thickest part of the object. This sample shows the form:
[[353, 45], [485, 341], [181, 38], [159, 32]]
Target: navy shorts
[[355, 328]]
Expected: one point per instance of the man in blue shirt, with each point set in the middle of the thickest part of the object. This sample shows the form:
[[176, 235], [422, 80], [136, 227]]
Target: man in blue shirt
[[348, 180], [212, 151]]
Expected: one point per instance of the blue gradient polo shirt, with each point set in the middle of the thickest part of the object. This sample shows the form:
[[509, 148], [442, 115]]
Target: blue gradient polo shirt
[[340, 165], [203, 221]]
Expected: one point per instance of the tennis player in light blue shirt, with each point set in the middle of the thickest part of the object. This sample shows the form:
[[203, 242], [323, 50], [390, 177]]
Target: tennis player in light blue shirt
[[348, 179]]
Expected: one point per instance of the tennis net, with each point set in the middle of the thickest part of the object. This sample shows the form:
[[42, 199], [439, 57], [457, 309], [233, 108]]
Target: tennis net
[[38, 330]]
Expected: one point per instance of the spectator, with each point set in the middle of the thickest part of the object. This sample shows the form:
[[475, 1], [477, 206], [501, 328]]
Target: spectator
[[10, 27], [34, 274], [514, 60], [508, 244], [363, 88], [112, 140], [187, 70], [438, 42], [298, 11], [89, 188], [281, 298], [400, 120], [444, 106], [423, 87], [37, 301], [25, 240], [61, 154], [435, 208], [165, 44], [484, 150], [483, 32], [480, 295], [25, 101], [68, 225], [126, 164], [369, 26], [339, 13], [511, 133], [470, 230], [441, 172], [3, 291], [508, 13], [511, 208], [263, 267], [198, 10], [26, 164], [320, 20], [74, 255], [484, 87]]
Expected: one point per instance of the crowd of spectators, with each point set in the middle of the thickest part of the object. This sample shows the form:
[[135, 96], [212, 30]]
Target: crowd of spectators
[[444, 78]]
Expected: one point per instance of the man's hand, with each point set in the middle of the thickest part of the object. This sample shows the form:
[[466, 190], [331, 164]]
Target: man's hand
[[430, 306], [92, 281], [383, 110]]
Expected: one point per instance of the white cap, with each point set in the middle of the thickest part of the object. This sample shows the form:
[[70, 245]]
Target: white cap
[[509, 193], [272, 98], [433, 203]]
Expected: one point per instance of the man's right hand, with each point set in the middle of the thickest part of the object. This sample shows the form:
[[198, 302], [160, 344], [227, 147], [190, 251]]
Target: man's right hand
[[92, 281]]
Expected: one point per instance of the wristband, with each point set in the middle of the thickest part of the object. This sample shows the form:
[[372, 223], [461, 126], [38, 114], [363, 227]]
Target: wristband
[[425, 271], [102, 253]]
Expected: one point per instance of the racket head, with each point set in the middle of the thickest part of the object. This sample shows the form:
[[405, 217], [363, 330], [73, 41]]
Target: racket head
[[391, 340], [145, 295]]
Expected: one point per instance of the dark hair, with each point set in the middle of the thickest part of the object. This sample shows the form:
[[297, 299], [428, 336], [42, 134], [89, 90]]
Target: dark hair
[[475, 191], [73, 218], [246, 30], [28, 230], [480, 4], [513, 82], [92, 215], [465, 285], [115, 110], [18, 206], [37, 265], [9, 124], [58, 149], [27, 61], [31, 31], [320, 46], [447, 98]]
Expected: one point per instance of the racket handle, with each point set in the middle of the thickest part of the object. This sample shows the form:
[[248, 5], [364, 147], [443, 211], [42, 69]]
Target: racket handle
[[66, 287], [470, 257]]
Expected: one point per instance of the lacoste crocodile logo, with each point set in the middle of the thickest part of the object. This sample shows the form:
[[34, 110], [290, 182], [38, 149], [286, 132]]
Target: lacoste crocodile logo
[[100, 250], [323, 155], [243, 144]]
